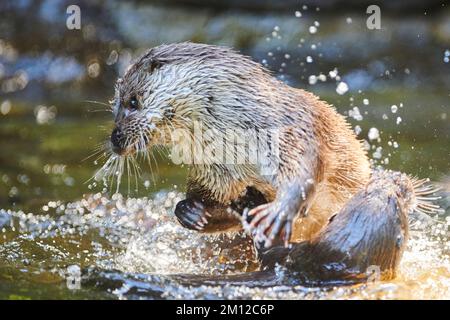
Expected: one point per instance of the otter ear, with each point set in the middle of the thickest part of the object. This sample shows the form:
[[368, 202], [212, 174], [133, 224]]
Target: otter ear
[[153, 64]]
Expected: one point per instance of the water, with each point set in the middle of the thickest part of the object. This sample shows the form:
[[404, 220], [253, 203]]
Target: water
[[130, 246], [134, 248]]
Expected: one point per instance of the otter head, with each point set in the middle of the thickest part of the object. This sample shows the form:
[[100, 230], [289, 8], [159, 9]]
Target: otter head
[[141, 105], [394, 184], [413, 194], [172, 86]]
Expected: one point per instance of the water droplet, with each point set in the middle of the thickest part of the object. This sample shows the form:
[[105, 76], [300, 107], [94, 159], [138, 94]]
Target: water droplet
[[93, 69], [312, 79], [312, 29], [378, 153], [355, 114], [5, 107], [342, 88], [373, 134], [333, 73]]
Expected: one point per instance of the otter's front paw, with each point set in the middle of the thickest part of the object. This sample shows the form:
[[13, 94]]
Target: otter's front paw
[[192, 214], [269, 223]]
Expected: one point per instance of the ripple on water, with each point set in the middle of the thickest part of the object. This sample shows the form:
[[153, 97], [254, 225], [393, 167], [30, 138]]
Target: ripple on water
[[134, 248]]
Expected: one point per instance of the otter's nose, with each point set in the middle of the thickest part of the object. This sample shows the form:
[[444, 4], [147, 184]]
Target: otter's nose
[[117, 139]]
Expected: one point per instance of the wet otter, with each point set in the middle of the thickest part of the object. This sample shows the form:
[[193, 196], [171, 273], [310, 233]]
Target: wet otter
[[368, 235], [319, 164]]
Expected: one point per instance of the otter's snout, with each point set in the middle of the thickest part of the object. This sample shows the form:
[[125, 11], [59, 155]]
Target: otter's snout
[[118, 141]]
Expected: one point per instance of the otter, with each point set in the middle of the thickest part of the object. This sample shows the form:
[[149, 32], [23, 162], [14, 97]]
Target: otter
[[318, 163], [365, 239]]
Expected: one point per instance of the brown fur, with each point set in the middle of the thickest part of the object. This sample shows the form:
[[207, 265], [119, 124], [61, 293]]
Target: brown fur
[[224, 89]]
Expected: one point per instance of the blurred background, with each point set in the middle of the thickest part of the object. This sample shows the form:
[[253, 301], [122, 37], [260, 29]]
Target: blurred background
[[393, 83]]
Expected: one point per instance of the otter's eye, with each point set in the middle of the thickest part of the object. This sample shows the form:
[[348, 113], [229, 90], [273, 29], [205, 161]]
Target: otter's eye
[[134, 103], [169, 113]]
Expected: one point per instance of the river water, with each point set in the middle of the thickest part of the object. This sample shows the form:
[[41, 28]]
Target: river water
[[55, 226]]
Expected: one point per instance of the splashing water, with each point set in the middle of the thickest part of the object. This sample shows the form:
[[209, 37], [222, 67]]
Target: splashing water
[[134, 248], [342, 88]]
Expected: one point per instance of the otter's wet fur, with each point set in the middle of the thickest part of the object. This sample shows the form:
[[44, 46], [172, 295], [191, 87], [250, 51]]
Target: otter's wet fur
[[321, 167], [178, 84], [367, 236], [363, 242]]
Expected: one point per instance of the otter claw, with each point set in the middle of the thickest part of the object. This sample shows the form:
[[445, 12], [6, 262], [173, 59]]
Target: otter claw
[[192, 214], [268, 224]]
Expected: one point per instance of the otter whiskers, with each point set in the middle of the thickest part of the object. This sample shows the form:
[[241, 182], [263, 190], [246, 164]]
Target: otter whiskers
[[424, 196], [104, 104], [116, 166], [113, 169]]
